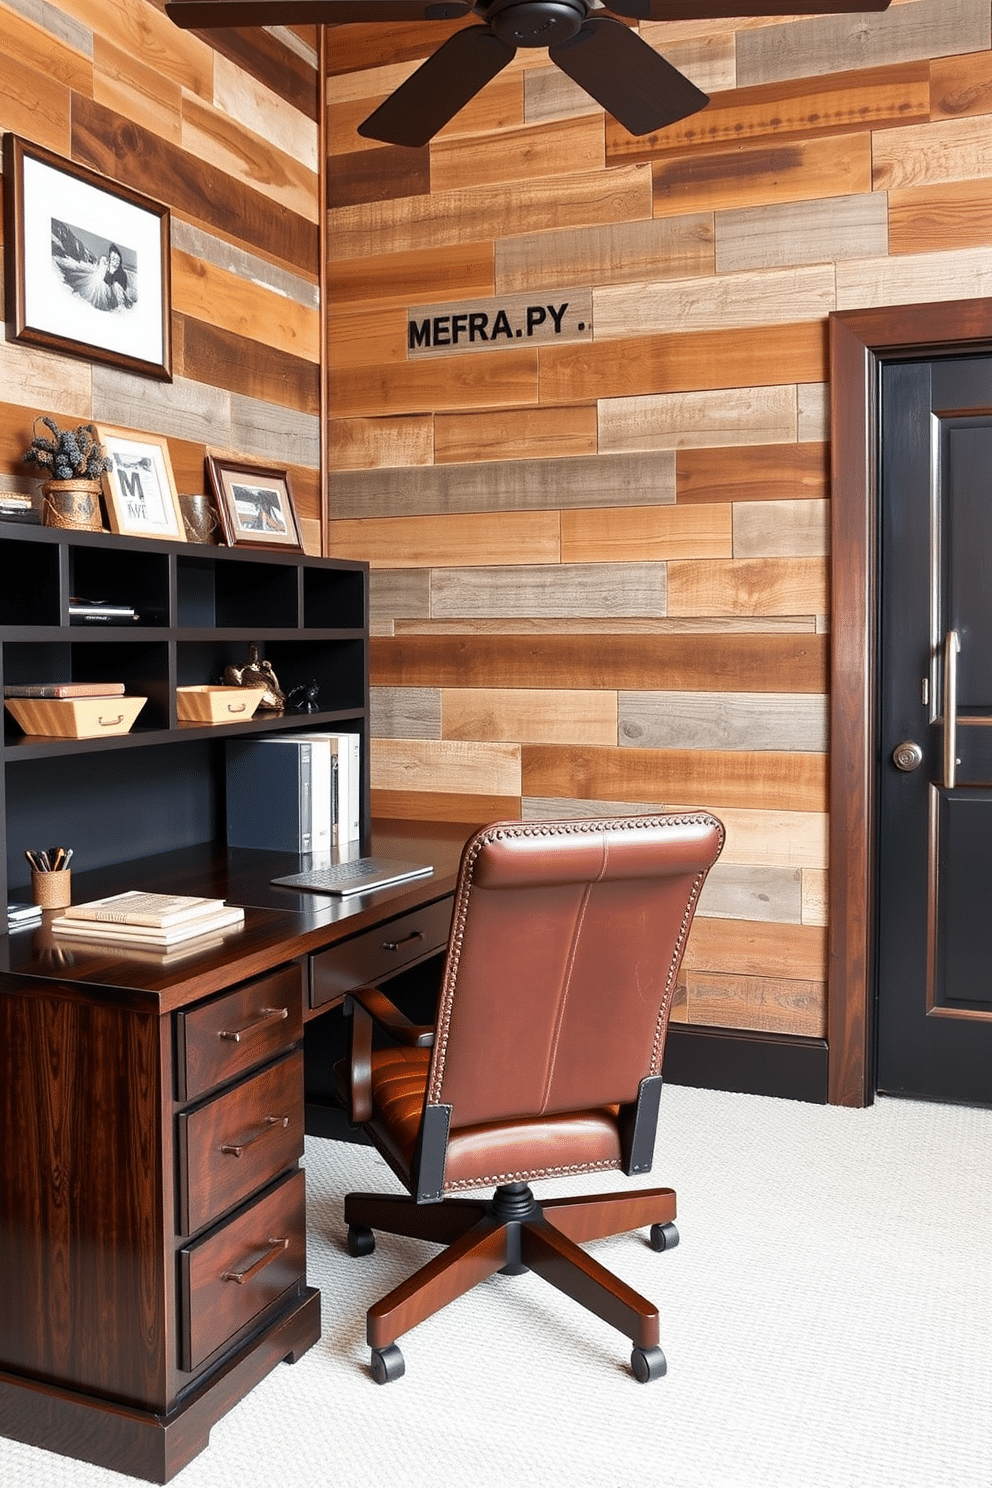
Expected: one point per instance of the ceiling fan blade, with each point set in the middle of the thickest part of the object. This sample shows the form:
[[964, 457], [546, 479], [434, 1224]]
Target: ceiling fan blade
[[439, 88], [718, 10], [626, 77], [201, 15]]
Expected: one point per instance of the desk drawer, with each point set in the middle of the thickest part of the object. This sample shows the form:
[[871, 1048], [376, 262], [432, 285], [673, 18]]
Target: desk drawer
[[232, 1276], [230, 1035], [239, 1142], [379, 952]]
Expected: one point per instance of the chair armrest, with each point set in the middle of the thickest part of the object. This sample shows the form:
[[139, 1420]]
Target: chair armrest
[[387, 1016], [369, 1008]]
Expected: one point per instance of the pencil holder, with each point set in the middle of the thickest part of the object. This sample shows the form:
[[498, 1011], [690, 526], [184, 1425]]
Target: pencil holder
[[52, 890]]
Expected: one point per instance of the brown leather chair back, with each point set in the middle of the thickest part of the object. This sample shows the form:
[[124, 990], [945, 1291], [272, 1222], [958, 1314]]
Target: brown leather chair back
[[564, 950]]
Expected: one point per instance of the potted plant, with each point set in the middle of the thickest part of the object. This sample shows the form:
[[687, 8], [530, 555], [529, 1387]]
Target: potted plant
[[76, 460]]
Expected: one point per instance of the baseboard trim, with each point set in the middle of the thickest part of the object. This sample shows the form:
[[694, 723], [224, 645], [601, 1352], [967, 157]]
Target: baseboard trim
[[747, 1062]]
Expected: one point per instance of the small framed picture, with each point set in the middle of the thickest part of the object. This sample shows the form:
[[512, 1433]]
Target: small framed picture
[[88, 261], [140, 488], [255, 505]]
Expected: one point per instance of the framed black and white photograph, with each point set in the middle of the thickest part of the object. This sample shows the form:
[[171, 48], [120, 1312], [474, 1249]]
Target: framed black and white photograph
[[140, 488], [87, 264], [255, 505]]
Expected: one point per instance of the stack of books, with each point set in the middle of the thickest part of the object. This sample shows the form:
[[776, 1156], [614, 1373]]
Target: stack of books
[[298, 793], [64, 690], [140, 919]]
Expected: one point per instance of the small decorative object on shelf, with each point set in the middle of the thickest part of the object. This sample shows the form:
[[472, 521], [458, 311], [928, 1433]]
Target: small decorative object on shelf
[[51, 881], [257, 672], [303, 699], [75, 717], [77, 461], [222, 704], [199, 518]]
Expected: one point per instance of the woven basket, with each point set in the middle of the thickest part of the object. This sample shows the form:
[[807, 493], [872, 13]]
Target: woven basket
[[72, 503]]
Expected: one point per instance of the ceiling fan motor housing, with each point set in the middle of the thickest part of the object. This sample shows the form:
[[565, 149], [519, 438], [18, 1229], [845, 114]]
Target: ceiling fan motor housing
[[536, 23]]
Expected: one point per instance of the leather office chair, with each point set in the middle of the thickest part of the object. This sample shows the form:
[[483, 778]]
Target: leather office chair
[[565, 944]]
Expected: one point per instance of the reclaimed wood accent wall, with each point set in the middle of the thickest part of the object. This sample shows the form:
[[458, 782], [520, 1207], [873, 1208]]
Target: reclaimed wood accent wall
[[600, 569], [224, 132]]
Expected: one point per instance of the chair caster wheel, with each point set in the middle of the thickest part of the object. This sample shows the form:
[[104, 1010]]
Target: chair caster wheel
[[648, 1364], [361, 1241], [388, 1364], [663, 1237]]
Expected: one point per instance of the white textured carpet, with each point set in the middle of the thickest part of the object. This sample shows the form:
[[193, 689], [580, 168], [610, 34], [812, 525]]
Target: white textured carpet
[[827, 1320]]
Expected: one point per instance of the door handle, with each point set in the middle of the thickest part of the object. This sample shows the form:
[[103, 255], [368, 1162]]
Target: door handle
[[952, 645], [908, 755]]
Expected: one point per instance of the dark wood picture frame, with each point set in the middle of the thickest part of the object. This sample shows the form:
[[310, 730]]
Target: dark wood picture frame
[[255, 505], [87, 263]]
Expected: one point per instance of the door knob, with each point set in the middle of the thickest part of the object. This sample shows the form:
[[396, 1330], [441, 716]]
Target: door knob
[[907, 756]]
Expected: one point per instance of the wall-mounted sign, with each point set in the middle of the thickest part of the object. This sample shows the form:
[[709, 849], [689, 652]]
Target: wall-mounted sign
[[492, 325]]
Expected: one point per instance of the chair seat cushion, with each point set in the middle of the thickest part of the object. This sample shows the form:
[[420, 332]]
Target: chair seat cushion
[[483, 1156]]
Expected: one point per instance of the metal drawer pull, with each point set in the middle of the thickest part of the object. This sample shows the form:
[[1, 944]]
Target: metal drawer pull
[[235, 1149], [109, 722], [952, 646], [268, 1014], [277, 1248], [394, 945]]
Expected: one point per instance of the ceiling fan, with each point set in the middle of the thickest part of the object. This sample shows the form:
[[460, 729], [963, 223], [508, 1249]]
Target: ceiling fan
[[607, 59]]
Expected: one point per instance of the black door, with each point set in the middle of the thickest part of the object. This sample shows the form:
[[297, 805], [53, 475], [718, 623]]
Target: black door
[[934, 938]]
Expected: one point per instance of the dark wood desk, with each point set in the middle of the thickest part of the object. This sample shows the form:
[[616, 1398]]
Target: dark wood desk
[[152, 1207]]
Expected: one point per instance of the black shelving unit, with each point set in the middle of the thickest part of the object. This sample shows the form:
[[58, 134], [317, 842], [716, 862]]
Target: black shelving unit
[[160, 787]]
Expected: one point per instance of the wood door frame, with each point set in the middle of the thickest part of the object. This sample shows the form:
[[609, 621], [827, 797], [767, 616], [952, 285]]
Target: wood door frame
[[860, 341]]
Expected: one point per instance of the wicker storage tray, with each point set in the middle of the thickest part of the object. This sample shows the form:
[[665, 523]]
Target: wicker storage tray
[[75, 718], [210, 704]]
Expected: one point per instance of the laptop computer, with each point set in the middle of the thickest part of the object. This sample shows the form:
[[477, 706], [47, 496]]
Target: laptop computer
[[354, 876]]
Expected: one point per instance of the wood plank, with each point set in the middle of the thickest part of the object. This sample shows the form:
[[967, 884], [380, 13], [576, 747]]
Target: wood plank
[[529, 715], [513, 155], [145, 32], [558, 590], [728, 663], [213, 137], [750, 948], [247, 365], [261, 52], [795, 170], [961, 85], [383, 174], [405, 713], [650, 533], [368, 336], [705, 625], [477, 213], [723, 720], [518, 434], [261, 113], [34, 107], [930, 154], [783, 234], [122, 82], [25, 40], [688, 361], [781, 529], [472, 539], [761, 586], [763, 1003], [774, 296], [399, 591], [753, 892], [135, 156], [685, 777], [355, 48], [917, 278], [772, 472], [796, 108], [933, 219], [816, 897], [451, 767], [253, 267], [506, 378], [465, 269], [508, 485], [367, 444], [830, 43], [611, 253], [201, 291], [744, 415], [273, 433], [476, 810]]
